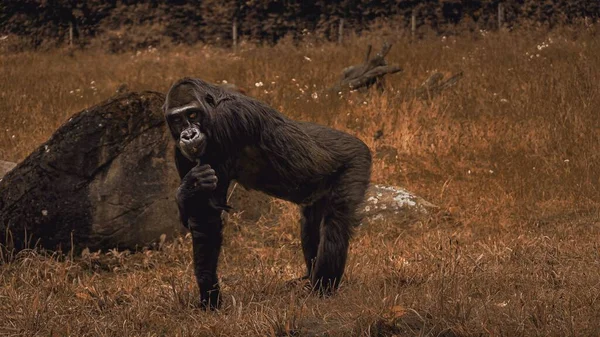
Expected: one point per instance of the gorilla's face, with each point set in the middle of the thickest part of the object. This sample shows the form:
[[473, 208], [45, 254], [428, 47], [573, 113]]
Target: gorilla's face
[[186, 128], [186, 116]]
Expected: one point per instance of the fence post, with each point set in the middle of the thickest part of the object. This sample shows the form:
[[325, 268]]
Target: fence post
[[413, 23], [70, 33], [234, 31], [341, 31], [500, 15]]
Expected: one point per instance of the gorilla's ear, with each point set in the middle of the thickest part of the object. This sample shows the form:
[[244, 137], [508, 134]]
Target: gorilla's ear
[[210, 100]]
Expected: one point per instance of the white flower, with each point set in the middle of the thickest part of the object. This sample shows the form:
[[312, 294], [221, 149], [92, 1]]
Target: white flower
[[258, 84], [314, 95], [307, 58]]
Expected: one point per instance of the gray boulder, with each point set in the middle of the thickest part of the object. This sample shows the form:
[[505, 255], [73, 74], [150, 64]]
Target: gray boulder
[[394, 203], [104, 179]]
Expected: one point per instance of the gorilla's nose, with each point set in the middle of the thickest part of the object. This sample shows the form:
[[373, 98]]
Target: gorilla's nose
[[189, 134]]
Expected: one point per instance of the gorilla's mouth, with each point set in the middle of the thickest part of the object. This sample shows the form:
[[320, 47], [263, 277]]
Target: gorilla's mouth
[[193, 148]]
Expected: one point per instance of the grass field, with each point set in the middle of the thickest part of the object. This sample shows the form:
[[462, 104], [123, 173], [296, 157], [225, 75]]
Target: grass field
[[511, 154]]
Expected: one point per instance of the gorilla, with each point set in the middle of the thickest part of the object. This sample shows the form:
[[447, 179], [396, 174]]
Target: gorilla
[[221, 135]]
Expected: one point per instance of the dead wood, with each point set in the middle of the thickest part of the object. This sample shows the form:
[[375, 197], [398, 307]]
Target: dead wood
[[370, 72]]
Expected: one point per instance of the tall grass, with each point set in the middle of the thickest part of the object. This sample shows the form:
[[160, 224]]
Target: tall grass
[[511, 153]]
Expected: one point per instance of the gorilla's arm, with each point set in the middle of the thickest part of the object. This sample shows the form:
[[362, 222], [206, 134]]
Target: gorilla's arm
[[183, 164], [206, 226], [198, 199]]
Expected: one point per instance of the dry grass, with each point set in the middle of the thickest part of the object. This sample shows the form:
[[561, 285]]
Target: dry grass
[[512, 153]]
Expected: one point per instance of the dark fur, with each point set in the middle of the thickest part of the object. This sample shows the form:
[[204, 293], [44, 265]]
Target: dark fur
[[326, 171]]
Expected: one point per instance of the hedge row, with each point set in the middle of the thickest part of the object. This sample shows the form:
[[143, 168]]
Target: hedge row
[[147, 22]]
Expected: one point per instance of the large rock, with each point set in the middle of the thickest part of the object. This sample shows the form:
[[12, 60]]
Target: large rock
[[104, 179], [394, 203]]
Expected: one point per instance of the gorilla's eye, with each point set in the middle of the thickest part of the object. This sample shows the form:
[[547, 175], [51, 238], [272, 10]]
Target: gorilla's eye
[[193, 115]]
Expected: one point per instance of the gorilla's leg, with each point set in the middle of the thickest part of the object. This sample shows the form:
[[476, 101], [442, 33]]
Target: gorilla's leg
[[340, 218], [312, 216]]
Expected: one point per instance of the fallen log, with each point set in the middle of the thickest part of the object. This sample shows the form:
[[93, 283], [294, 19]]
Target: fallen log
[[371, 76], [367, 74]]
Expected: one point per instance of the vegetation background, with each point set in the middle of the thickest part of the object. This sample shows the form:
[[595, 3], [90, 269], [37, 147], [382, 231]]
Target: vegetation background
[[511, 154], [129, 25]]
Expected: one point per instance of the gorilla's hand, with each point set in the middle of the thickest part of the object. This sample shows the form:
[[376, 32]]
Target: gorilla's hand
[[200, 179]]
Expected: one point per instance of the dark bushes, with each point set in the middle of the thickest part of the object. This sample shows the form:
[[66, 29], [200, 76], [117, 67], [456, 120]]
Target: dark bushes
[[42, 23]]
